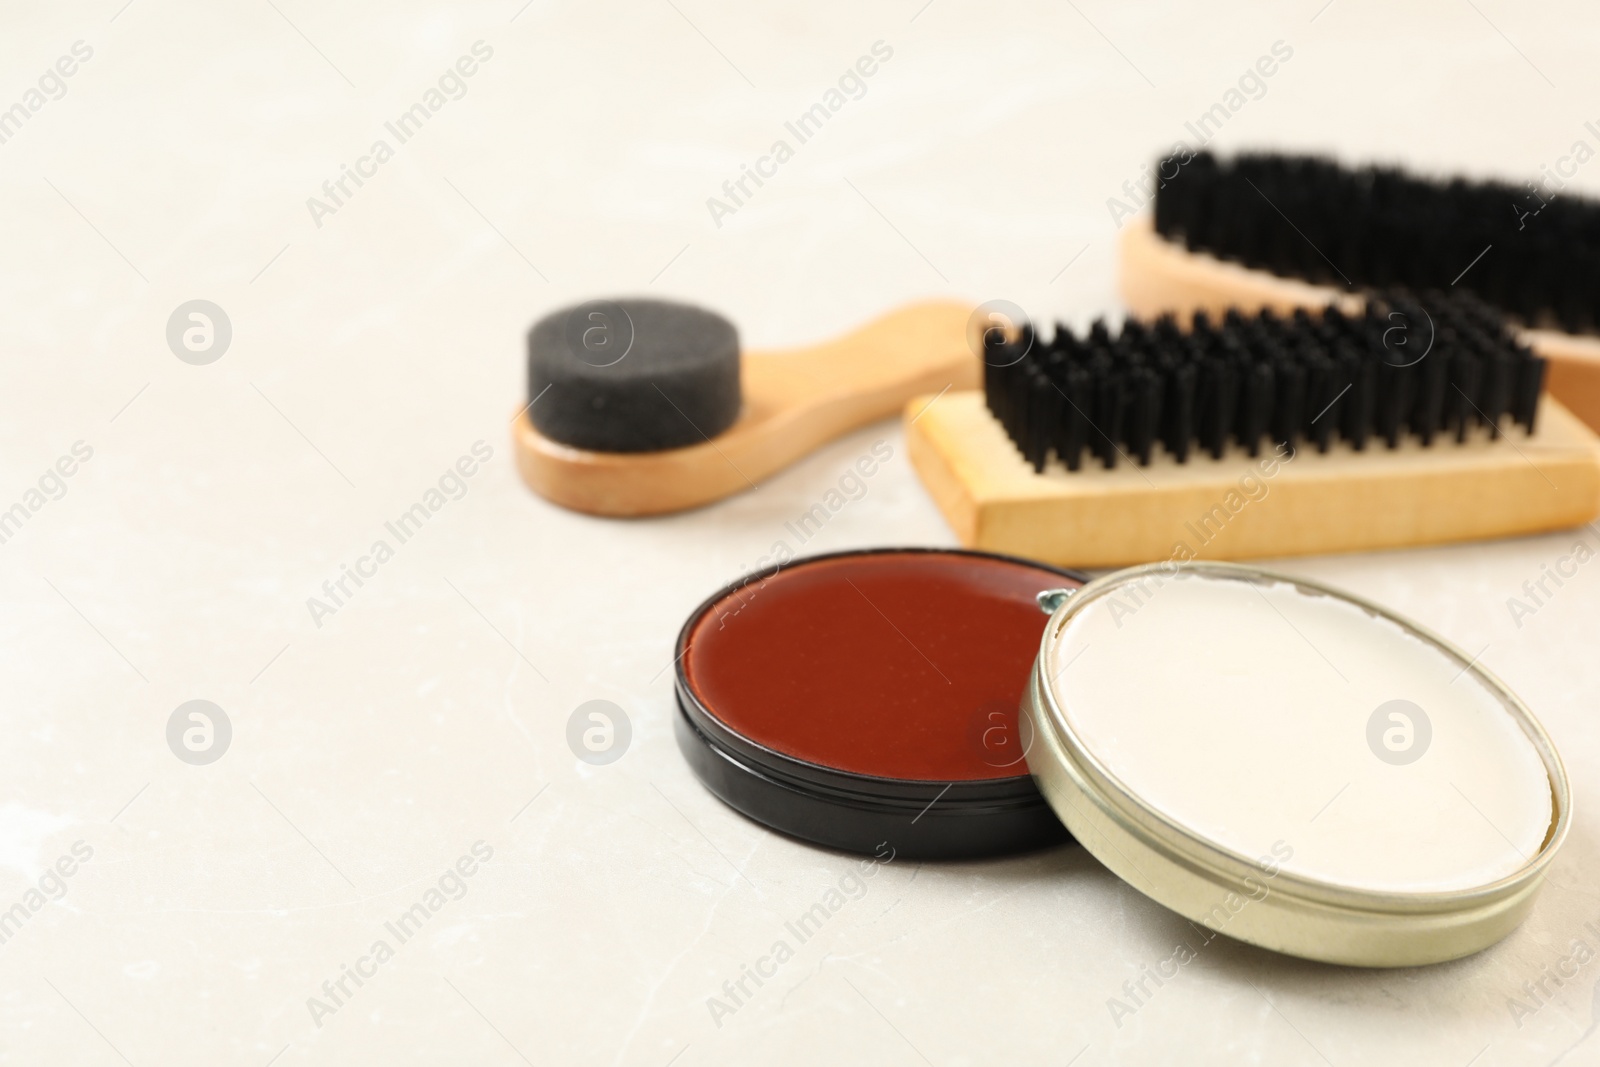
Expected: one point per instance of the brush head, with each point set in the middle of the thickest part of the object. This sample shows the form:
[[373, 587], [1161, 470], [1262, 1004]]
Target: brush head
[[633, 375], [1527, 251], [1441, 364]]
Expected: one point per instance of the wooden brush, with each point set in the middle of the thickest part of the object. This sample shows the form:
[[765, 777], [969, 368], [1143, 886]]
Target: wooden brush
[[645, 407], [1258, 436], [1279, 231]]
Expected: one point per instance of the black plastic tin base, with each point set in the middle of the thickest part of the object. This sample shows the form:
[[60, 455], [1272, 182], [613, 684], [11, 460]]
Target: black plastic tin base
[[943, 827]]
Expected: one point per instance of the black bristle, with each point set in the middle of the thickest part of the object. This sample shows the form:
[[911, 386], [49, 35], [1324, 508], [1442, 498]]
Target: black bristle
[[1396, 393], [1428, 413], [1499, 379], [1356, 406], [1405, 367], [1144, 413], [1255, 406], [1106, 411], [1074, 435], [1289, 405], [1463, 386], [1525, 249], [1217, 400], [1325, 390], [1530, 383], [1177, 427]]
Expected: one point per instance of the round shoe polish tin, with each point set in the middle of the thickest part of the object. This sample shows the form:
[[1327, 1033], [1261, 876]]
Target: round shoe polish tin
[[1201, 783], [871, 697]]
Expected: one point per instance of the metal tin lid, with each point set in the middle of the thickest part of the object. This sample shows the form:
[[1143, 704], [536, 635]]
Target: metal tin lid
[[843, 700], [1293, 766]]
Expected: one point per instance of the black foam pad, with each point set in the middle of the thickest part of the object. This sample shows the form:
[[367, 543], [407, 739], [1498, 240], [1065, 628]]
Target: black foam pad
[[633, 375]]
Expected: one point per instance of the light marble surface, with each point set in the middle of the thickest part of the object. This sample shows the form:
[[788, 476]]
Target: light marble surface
[[371, 351]]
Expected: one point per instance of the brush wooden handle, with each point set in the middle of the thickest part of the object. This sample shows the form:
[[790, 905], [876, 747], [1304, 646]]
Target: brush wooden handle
[[1341, 501], [1158, 276], [794, 402]]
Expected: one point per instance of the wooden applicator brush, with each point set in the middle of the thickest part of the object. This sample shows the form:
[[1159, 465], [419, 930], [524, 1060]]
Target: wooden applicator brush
[[1257, 436], [643, 407], [1279, 231]]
